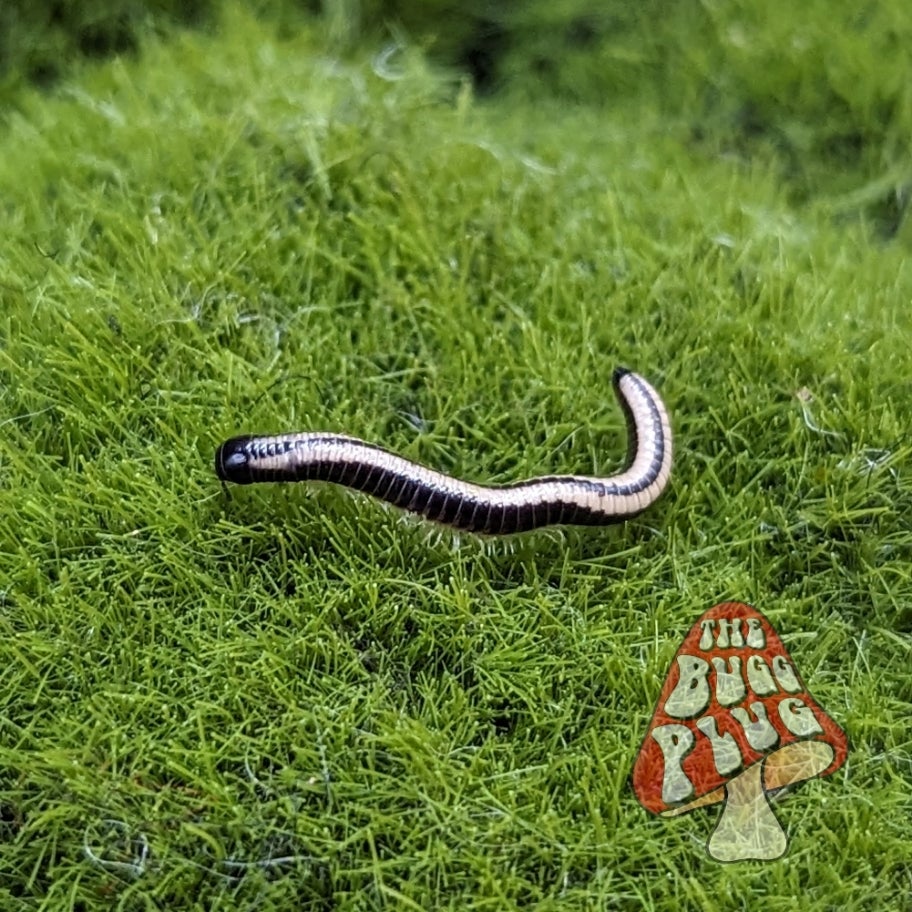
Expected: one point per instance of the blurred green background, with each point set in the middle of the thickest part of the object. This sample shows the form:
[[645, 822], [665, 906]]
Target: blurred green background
[[825, 87]]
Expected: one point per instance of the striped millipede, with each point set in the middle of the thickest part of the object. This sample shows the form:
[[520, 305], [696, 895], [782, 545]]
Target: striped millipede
[[488, 510]]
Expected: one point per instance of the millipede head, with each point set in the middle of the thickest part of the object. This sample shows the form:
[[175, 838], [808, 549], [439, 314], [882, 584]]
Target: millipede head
[[232, 461]]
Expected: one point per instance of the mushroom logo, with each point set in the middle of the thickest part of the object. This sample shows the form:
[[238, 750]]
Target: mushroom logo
[[734, 724]]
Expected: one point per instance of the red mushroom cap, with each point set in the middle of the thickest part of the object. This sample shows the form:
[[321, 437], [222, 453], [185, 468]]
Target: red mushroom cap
[[731, 698]]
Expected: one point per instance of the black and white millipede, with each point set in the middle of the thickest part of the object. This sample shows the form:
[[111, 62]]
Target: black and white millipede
[[485, 509]]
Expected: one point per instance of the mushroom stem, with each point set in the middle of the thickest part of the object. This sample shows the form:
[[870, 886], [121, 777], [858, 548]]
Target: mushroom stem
[[747, 828]]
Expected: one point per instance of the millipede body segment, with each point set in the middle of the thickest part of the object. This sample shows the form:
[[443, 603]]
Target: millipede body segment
[[485, 509]]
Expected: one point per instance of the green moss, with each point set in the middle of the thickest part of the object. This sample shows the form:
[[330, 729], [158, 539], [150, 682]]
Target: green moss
[[40, 40], [295, 698], [824, 90]]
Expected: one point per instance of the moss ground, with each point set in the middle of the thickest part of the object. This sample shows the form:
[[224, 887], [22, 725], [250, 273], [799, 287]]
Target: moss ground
[[300, 699]]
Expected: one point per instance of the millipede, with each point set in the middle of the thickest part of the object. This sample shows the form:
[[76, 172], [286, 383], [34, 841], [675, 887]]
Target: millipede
[[485, 509]]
